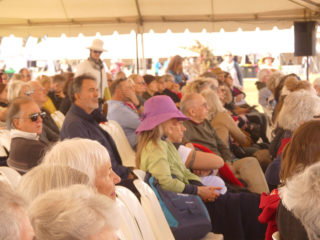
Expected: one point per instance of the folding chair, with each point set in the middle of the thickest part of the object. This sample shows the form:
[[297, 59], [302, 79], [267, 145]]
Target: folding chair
[[128, 226], [136, 210], [128, 156], [12, 175]]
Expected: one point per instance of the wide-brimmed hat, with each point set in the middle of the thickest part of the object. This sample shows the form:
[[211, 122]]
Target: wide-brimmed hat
[[157, 110], [97, 45], [268, 55]]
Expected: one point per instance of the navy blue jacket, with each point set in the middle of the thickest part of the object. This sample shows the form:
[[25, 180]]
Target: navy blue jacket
[[80, 124]]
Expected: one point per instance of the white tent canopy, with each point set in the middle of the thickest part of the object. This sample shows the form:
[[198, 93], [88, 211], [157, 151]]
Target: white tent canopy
[[71, 17]]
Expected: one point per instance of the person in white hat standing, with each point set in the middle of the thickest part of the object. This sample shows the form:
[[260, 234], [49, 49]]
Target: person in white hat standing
[[95, 67]]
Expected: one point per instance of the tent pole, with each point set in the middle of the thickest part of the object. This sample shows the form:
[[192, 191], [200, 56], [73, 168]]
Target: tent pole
[[143, 60], [307, 68], [137, 53]]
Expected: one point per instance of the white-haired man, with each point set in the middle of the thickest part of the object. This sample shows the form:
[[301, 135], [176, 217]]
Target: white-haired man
[[94, 66], [199, 130], [15, 224]]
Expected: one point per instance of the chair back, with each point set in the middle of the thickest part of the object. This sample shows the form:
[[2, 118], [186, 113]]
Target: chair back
[[128, 226], [5, 141], [128, 156], [136, 210], [152, 208], [12, 175], [140, 174]]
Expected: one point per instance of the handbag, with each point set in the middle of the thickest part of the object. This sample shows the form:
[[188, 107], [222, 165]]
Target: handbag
[[186, 214]]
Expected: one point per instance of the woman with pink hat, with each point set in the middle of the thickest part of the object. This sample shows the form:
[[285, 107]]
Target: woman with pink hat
[[232, 214]]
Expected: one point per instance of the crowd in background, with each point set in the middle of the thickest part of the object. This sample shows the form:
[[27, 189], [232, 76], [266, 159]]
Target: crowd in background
[[196, 136]]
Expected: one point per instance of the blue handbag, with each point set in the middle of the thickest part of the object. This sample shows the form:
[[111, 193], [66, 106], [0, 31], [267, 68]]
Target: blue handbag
[[186, 214]]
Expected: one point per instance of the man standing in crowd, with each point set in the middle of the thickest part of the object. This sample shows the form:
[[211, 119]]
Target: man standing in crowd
[[81, 120], [122, 91], [95, 67]]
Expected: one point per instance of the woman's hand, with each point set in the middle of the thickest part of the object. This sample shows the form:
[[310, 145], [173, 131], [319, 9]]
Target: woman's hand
[[208, 194]]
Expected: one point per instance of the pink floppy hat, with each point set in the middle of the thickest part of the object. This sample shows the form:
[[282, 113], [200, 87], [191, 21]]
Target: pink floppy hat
[[157, 110]]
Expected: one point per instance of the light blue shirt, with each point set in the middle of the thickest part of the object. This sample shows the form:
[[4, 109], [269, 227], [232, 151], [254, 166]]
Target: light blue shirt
[[126, 117]]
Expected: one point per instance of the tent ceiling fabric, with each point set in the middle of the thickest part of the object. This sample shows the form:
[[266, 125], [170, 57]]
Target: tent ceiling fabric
[[54, 17]]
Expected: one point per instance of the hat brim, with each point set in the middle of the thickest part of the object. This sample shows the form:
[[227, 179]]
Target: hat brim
[[95, 49], [263, 59], [150, 122]]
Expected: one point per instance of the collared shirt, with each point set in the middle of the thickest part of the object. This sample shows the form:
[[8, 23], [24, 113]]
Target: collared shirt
[[14, 133], [78, 123], [126, 117]]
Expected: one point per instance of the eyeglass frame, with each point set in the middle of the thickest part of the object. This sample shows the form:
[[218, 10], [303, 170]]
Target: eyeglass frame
[[42, 115]]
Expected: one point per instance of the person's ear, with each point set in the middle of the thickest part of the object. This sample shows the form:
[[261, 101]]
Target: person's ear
[[191, 112], [16, 123], [76, 96]]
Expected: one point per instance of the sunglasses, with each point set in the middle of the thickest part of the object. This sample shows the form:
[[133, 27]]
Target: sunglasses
[[30, 92], [34, 116], [97, 52]]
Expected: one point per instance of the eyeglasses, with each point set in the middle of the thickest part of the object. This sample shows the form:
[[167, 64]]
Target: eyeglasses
[[34, 116], [29, 93]]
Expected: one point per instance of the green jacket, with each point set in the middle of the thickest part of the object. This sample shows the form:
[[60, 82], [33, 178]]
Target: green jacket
[[163, 161]]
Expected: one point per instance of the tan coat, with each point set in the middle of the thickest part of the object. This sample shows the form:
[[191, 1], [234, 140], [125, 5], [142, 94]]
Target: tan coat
[[224, 125]]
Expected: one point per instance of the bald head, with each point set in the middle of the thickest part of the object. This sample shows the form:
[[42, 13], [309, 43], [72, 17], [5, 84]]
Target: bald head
[[194, 106]]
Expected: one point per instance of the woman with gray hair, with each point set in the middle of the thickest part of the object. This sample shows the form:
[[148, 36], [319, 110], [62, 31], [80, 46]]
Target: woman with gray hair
[[89, 157], [18, 89], [15, 224], [301, 196], [300, 153], [221, 120], [76, 212], [299, 107], [47, 177]]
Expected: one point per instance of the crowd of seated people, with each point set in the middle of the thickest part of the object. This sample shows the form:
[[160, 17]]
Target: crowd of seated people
[[198, 136]]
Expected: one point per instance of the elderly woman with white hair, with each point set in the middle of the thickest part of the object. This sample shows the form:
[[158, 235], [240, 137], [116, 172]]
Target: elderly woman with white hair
[[78, 153], [46, 177], [15, 224], [18, 89], [300, 196], [76, 212], [298, 211], [299, 107]]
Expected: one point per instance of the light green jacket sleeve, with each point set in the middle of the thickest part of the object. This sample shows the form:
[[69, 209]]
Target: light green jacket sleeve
[[154, 160]]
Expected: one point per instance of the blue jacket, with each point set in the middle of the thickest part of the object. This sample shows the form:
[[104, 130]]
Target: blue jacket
[[80, 124]]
